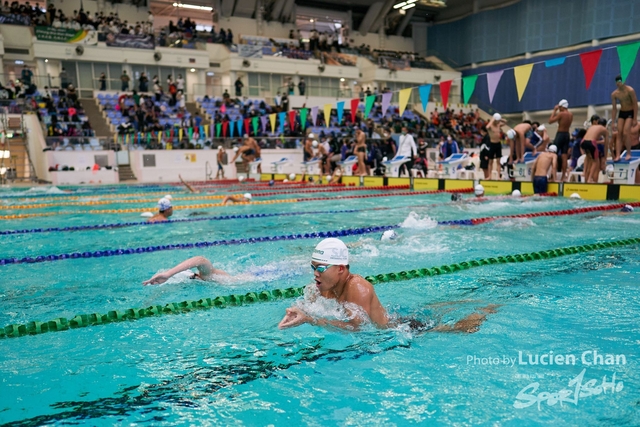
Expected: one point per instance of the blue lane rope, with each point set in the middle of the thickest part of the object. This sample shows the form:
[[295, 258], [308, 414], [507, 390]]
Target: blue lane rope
[[130, 251]]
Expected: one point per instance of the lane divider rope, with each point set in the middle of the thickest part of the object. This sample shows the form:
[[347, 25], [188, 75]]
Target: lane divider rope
[[84, 320]]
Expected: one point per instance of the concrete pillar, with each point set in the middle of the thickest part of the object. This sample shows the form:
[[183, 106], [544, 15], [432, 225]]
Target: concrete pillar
[[591, 110], [526, 116]]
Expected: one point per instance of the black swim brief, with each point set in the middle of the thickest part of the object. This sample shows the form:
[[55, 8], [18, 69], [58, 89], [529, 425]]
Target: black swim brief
[[625, 114], [590, 148], [562, 141], [495, 150]]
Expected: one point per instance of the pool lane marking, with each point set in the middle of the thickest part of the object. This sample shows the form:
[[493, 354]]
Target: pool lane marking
[[84, 320]]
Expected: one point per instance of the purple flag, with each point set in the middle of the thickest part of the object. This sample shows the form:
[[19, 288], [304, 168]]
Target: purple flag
[[263, 120], [492, 83], [314, 115], [386, 100]]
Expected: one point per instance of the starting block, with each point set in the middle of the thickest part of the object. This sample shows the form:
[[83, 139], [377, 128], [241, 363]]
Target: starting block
[[253, 166], [624, 171], [392, 167], [312, 167], [450, 165], [347, 165], [522, 171], [279, 165]]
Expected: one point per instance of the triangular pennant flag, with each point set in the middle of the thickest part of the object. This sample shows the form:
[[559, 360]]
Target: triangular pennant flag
[[522, 74], [292, 119], [327, 115], [386, 101], [340, 108], [627, 54], [218, 129], [303, 117], [468, 86], [232, 129], [272, 120], [590, 62], [180, 135], [445, 87], [205, 132], [354, 109], [282, 117], [246, 125], [403, 98], [314, 115], [239, 124], [493, 79], [190, 131], [368, 104], [254, 122], [149, 138], [554, 62], [263, 121], [424, 91]]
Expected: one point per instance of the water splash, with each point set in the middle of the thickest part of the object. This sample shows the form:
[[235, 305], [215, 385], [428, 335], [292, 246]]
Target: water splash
[[414, 221]]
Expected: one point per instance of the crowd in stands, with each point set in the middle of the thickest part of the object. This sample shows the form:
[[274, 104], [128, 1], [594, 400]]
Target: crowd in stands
[[62, 114]]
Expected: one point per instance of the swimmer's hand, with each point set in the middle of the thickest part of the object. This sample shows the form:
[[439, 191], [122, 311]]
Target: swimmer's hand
[[158, 279], [294, 317]]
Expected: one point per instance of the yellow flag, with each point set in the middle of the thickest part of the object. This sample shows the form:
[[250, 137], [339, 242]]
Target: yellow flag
[[180, 135], [206, 132], [405, 94], [272, 120], [327, 114], [522, 73]]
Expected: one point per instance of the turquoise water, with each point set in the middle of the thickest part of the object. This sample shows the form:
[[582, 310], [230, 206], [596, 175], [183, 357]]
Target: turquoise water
[[234, 367]]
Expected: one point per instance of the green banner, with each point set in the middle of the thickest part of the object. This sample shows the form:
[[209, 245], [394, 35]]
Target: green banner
[[65, 35]]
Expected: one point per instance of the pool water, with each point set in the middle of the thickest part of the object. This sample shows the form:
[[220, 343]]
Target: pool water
[[234, 366]]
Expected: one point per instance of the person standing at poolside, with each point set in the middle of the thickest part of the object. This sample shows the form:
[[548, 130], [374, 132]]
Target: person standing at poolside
[[407, 148], [165, 210], [222, 160], [544, 169], [564, 118], [361, 152], [626, 118], [589, 145], [494, 130]]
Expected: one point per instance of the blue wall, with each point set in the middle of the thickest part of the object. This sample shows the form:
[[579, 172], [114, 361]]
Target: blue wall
[[532, 26], [547, 86]]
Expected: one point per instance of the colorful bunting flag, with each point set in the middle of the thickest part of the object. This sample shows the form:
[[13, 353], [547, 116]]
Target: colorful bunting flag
[[282, 117], [403, 97], [522, 74], [354, 109], [327, 115], [239, 124], [180, 135], [386, 101], [254, 122], [292, 119], [246, 126], [314, 115], [627, 55], [493, 79], [554, 62], [590, 62], [272, 120], [218, 129], [303, 117], [468, 86], [263, 121], [232, 129], [368, 105], [340, 108], [424, 91], [445, 87]]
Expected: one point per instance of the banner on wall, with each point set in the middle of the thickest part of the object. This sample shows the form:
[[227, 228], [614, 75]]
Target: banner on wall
[[14, 19], [132, 41], [66, 35], [334, 58], [249, 51], [394, 64]]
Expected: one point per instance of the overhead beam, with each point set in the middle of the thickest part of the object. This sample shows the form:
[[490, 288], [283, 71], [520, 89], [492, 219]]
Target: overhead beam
[[405, 21], [277, 9], [370, 18], [288, 11], [379, 22], [226, 7]]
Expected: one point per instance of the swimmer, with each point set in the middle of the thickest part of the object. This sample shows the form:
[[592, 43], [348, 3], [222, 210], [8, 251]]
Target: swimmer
[[221, 158], [249, 152], [589, 146], [206, 271], [245, 198], [564, 118], [337, 174], [334, 280], [186, 184], [456, 197], [517, 138], [479, 190], [627, 117], [165, 210], [544, 169], [389, 235]]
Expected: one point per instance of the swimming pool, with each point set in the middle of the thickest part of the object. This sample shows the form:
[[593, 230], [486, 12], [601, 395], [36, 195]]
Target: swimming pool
[[233, 366]]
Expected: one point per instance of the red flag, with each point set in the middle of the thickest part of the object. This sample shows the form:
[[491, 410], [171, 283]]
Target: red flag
[[292, 119], [354, 109], [590, 62], [444, 91], [246, 126], [225, 126]]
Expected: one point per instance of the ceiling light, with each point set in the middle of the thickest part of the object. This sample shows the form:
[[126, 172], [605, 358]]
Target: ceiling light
[[5, 154], [399, 5], [46, 60], [310, 20], [3, 171], [409, 6], [210, 73], [193, 70], [193, 6], [342, 79]]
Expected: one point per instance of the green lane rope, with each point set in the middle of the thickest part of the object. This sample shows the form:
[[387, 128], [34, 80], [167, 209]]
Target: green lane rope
[[84, 320]]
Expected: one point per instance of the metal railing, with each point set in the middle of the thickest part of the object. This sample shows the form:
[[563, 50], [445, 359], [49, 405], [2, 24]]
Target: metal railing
[[78, 143]]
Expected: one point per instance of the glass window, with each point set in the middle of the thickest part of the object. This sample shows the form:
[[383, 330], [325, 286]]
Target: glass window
[[72, 75], [115, 71], [85, 75]]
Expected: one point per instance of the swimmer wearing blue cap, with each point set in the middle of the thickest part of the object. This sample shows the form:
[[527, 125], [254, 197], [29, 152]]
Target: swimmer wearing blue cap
[[334, 280]]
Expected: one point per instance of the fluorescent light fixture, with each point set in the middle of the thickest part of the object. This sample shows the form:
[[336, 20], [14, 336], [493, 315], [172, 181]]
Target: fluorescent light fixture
[[409, 6], [310, 20], [3, 171], [193, 70], [193, 6], [5, 154], [210, 73], [46, 60], [411, 1], [18, 62], [342, 79], [399, 5]]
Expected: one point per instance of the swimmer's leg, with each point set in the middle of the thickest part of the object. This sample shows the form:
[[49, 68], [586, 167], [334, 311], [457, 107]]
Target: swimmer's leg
[[469, 324]]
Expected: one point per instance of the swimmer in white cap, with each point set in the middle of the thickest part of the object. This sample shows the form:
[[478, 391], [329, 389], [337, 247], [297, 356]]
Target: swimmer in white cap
[[186, 184], [334, 280], [165, 210], [479, 190], [245, 198], [516, 138], [564, 118], [494, 130], [249, 152], [389, 235], [544, 169], [206, 271]]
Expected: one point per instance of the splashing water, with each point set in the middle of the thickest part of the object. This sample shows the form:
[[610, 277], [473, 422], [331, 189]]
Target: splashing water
[[414, 221]]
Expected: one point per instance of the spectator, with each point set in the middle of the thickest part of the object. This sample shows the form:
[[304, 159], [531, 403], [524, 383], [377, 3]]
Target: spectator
[[103, 82], [64, 78], [302, 86], [124, 78], [180, 84], [239, 86], [143, 82]]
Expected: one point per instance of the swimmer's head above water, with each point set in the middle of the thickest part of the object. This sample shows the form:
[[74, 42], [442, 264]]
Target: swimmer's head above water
[[389, 235], [627, 208]]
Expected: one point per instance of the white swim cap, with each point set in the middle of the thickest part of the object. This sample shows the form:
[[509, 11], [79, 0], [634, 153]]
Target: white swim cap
[[219, 147], [497, 117], [479, 190], [247, 196], [575, 196], [168, 196], [511, 134], [389, 235], [235, 148], [627, 208], [246, 135], [541, 128], [552, 149], [328, 178], [241, 178], [564, 103], [311, 136], [314, 144], [164, 204], [285, 180], [331, 251], [292, 176], [516, 193]]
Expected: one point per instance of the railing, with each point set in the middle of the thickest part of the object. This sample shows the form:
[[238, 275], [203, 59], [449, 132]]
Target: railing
[[79, 143]]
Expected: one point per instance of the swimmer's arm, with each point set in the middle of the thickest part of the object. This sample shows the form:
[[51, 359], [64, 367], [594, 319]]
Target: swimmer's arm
[[533, 168], [554, 115], [189, 187], [296, 317], [204, 266], [614, 109], [554, 168]]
